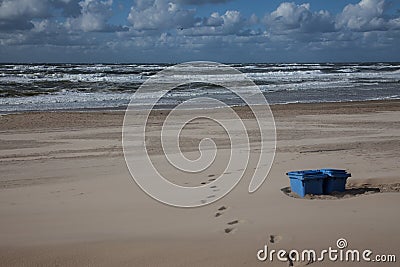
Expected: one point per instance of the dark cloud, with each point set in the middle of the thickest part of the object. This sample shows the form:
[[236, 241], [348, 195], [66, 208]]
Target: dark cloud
[[17, 14], [12, 25], [81, 15], [70, 8]]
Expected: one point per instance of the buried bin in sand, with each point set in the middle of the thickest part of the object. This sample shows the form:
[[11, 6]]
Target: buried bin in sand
[[318, 182]]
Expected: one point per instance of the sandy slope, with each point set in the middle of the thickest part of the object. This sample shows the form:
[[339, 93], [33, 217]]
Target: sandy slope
[[67, 198]]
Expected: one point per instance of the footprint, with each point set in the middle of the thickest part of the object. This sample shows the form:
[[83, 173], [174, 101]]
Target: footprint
[[212, 179], [203, 182], [272, 239], [299, 263], [213, 186], [233, 222], [211, 175], [292, 263], [275, 238], [229, 230], [220, 211]]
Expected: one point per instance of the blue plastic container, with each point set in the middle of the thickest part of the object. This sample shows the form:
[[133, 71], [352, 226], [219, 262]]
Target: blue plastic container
[[335, 180], [307, 182]]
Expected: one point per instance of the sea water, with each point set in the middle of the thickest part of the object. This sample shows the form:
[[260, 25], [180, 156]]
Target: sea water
[[25, 87]]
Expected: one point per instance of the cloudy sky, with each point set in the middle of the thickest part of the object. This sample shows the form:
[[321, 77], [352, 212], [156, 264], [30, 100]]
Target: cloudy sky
[[183, 30]]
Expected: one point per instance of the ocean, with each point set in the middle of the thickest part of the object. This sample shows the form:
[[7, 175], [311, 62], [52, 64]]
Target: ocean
[[38, 87]]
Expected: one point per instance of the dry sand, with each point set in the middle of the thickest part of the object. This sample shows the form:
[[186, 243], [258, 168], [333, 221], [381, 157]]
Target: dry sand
[[67, 198]]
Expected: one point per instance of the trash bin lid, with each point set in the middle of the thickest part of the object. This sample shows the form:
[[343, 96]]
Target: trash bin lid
[[336, 173], [306, 174], [332, 170]]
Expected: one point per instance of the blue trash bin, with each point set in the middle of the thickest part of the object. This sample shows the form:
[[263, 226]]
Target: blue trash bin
[[335, 180], [307, 182]]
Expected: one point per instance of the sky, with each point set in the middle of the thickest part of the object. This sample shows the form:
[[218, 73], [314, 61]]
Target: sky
[[172, 31]]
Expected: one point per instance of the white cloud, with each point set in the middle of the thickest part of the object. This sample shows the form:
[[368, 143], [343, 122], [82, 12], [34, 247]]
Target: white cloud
[[11, 9], [394, 23], [214, 20], [230, 23], [164, 15], [233, 22], [161, 27], [292, 17], [160, 15], [254, 19], [202, 2], [93, 17], [367, 15]]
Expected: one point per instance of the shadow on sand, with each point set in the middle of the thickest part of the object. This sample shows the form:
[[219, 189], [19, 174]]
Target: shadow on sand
[[350, 192]]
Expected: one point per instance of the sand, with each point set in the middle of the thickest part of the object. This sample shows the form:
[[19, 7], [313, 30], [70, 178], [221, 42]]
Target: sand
[[67, 198]]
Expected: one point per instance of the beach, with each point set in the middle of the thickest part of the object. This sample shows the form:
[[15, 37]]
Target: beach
[[68, 199]]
